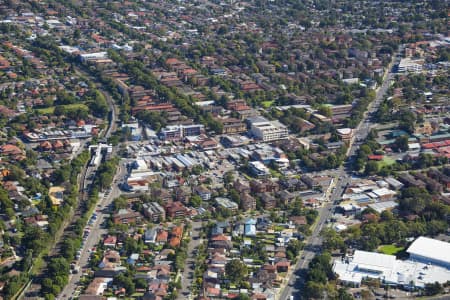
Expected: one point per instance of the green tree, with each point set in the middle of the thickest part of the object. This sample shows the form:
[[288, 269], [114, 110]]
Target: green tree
[[236, 271], [413, 200], [325, 110], [401, 143], [35, 239], [120, 203], [58, 266], [432, 289], [293, 248], [332, 240], [371, 167], [195, 201], [243, 297], [125, 281], [98, 104], [314, 290]]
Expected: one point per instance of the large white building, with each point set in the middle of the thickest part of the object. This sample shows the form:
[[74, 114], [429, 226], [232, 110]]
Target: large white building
[[85, 57], [266, 130], [431, 251], [409, 65], [416, 271], [177, 132]]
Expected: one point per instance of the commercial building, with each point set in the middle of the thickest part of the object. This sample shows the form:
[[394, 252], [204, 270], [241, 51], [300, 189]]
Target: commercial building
[[428, 263], [177, 132], [227, 204], [432, 251], [267, 131], [409, 65], [394, 183], [87, 57]]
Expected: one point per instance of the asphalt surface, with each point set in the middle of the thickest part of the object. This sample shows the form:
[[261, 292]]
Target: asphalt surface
[[343, 178], [95, 234], [187, 276]]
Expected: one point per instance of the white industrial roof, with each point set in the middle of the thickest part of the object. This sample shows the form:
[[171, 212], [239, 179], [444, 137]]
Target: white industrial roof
[[382, 206], [394, 182], [389, 269], [383, 192], [430, 248], [372, 260]]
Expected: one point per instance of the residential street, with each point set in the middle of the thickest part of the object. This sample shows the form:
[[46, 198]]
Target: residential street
[[188, 273]]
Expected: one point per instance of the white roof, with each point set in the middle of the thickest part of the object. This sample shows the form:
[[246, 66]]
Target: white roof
[[389, 269], [381, 206], [394, 182], [349, 206], [414, 146], [383, 192], [430, 248], [340, 227], [373, 261], [344, 130], [141, 164]]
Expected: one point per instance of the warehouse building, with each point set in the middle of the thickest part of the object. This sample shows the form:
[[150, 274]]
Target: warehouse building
[[428, 263], [431, 251]]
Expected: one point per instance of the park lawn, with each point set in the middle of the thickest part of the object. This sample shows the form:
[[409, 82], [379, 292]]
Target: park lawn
[[267, 104], [387, 161], [390, 249], [50, 110], [38, 264], [275, 173], [268, 236], [136, 295], [278, 228]]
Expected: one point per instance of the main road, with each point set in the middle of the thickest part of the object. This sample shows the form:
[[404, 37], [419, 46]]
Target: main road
[[296, 277]]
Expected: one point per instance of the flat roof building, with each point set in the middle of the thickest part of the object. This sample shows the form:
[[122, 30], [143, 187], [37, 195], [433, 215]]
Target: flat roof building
[[227, 203], [265, 130], [388, 269], [409, 65], [428, 250]]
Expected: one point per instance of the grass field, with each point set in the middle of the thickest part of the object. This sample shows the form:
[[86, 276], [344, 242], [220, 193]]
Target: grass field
[[390, 249], [267, 104], [387, 161], [51, 110]]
